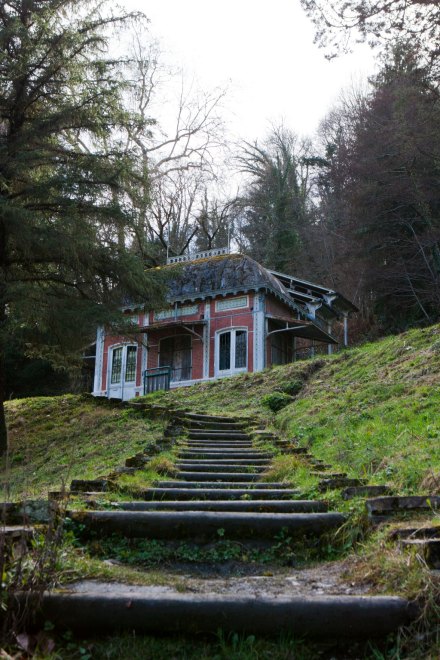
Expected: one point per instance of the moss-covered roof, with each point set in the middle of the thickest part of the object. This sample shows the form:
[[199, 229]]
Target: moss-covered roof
[[221, 275]]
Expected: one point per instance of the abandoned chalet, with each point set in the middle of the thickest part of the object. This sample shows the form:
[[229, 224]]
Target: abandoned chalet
[[226, 315]]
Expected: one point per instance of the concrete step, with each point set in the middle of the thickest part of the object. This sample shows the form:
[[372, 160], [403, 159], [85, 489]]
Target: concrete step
[[231, 461], [339, 482], [211, 418], [421, 531], [216, 445], [96, 485], [15, 533], [225, 426], [142, 610], [242, 477], [204, 525], [215, 467], [263, 506], [428, 548], [29, 511], [213, 483], [213, 492], [393, 504], [328, 475], [217, 435], [365, 491], [200, 453]]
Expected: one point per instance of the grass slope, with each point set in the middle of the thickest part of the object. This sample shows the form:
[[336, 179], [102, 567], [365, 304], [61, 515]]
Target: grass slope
[[56, 439], [371, 411]]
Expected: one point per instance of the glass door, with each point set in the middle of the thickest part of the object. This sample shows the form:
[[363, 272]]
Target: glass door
[[122, 376], [231, 351]]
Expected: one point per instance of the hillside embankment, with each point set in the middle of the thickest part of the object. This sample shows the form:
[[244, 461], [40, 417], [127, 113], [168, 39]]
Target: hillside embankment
[[305, 444]]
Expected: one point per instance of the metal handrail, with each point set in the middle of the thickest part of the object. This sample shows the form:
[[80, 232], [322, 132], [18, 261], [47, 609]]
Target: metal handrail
[[157, 378]]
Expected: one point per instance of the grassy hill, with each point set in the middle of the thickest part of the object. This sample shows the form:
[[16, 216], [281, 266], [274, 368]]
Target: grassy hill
[[371, 411], [56, 439]]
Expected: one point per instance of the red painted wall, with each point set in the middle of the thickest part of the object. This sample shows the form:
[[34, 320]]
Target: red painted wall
[[219, 320]]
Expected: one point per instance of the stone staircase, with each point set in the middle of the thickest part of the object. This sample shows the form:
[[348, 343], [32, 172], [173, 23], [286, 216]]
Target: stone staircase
[[219, 491], [218, 486]]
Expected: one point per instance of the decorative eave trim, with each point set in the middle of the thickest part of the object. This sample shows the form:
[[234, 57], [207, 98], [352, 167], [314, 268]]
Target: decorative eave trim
[[222, 293]]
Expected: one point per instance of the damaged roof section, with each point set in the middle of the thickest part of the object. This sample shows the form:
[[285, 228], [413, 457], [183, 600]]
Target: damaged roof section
[[222, 275]]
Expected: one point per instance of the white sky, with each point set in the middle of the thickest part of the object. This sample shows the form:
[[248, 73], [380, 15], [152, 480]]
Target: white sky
[[263, 51]]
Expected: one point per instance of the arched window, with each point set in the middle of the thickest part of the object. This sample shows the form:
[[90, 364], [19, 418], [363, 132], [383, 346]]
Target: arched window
[[231, 350]]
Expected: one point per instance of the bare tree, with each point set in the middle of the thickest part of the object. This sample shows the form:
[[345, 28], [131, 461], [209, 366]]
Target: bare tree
[[340, 23]]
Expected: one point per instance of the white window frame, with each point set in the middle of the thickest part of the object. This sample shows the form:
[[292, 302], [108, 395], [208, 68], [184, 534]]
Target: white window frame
[[122, 382], [232, 369]]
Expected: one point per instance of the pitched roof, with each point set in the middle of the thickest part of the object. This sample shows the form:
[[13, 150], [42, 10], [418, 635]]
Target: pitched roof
[[221, 275]]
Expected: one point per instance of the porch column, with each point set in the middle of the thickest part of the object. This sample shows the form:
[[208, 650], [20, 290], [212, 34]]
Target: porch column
[[345, 329], [259, 334], [206, 339], [329, 346], [97, 381]]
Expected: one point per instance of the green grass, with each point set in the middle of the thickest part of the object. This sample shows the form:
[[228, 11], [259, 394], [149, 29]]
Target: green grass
[[56, 439], [371, 411]]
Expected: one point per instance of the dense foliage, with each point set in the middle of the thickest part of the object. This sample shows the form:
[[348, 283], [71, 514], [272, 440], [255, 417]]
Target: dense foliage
[[62, 227]]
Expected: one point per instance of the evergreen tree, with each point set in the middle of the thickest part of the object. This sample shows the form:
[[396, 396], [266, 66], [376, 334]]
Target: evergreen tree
[[63, 260]]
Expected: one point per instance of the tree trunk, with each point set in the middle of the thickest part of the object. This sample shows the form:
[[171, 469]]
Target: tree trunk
[[3, 429], [3, 319]]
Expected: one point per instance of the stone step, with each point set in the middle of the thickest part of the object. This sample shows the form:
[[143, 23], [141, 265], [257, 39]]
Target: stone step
[[213, 492], [416, 532], [204, 525], [394, 504], [104, 608], [260, 485], [211, 418], [213, 442], [231, 461], [242, 477], [215, 445], [217, 435], [364, 491], [215, 467], [427, 548], [16, 533], [96, 485], [196, 453], [29, 511], [339, 482], [263, 506], [225, 426], [328, 475]]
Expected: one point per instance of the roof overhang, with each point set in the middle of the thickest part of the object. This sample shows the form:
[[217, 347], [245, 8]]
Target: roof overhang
[[171, 323], [303, 329]]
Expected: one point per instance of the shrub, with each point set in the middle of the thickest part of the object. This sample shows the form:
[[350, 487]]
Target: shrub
[[276, 401], [294, 387]]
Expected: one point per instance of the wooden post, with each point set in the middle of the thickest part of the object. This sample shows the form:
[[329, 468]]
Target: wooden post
[[345, 329]]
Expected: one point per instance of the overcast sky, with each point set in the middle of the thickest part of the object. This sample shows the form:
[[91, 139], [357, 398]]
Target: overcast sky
[[263, 51]]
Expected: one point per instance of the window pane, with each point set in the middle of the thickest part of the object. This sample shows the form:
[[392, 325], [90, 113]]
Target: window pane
[[116, 366], [130, 368], [225, 351], [240, 349]]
